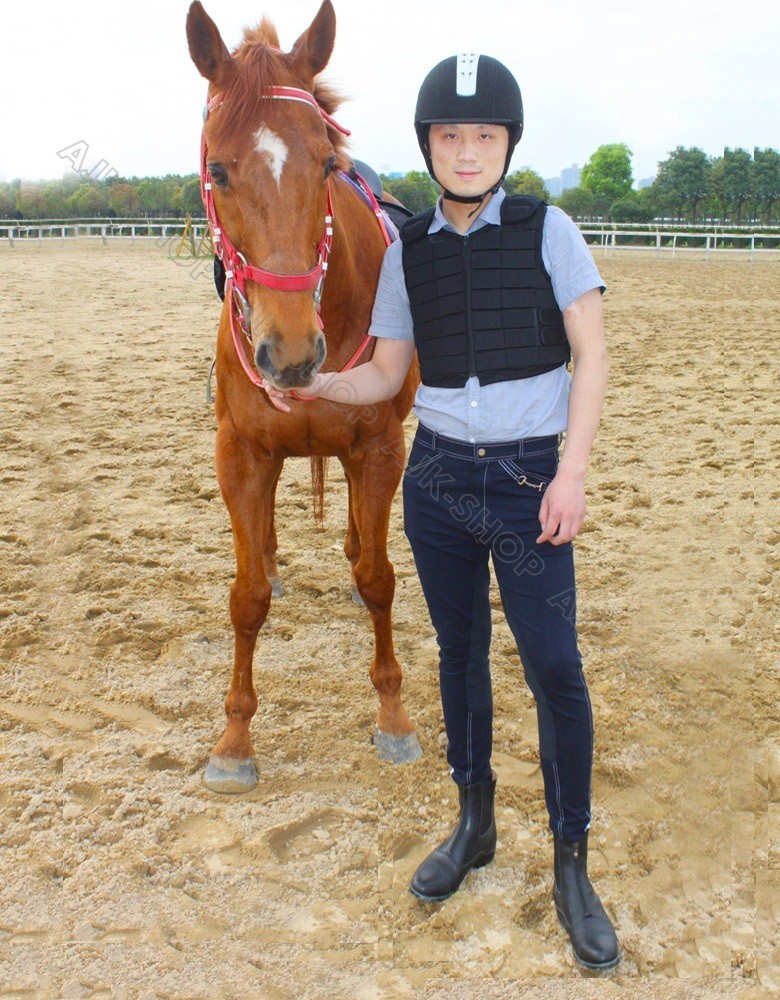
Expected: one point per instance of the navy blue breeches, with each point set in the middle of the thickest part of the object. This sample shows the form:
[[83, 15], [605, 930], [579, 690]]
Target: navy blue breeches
[[463, 505]]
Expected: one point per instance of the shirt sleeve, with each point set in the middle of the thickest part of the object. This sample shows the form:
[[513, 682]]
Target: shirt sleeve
[[392, 316], [568, 259]]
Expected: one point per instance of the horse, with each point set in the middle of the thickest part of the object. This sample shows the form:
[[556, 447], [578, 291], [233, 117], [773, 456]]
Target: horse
[[284, 215]]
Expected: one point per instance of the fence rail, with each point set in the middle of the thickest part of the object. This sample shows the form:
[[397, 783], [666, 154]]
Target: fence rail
[[609, 238], [157, 229], [665, 241]]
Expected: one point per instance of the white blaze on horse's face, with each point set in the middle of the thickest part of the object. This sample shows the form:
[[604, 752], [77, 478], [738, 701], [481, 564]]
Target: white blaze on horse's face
[[275, 148]]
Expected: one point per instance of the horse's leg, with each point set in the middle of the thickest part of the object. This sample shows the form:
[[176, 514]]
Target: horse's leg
[[374, 478], [352, 545], [271, 545], [247, 487]]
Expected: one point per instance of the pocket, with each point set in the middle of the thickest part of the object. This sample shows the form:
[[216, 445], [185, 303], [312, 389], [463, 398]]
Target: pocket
[[528, 478]]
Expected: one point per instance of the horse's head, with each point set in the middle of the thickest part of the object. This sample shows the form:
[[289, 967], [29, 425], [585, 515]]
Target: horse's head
[[269, 161]]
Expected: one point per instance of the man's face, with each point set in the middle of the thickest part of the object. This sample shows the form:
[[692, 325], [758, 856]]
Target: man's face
[[468, 159]]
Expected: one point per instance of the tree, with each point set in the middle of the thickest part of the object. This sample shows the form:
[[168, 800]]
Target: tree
[[88, 200], [766, 179], [716, 188], [607, 174], [526, 182], [630, 209], [6, 204], [29, 201], [577, 202], [53, 204], [737, 178], [415, 190], [150, 196], [683, 179], [123, 199], [190, 199]]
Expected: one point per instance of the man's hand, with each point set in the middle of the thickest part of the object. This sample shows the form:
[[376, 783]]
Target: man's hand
[[563, 509], [278, 396]]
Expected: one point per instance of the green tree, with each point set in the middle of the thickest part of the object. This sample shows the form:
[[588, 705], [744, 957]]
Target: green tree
[[151, 196], [526, 182], [416, 190], [7, 207], [607, 174], [737, 179], [89, 200], [716, 188], [123, 199], [29, 201], [683, 180], [766, 180], [190, 199], [630, 209], [53, 203], [577, 202]]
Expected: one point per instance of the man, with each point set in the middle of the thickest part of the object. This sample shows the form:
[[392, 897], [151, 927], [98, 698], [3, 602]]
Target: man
[[495, 294]]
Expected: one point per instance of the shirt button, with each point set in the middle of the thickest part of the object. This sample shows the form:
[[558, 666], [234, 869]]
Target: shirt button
[[473, 402], [481, 452]]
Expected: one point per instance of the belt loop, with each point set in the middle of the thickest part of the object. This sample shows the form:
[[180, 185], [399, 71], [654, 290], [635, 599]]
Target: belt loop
[[520, 448], [433, 440]]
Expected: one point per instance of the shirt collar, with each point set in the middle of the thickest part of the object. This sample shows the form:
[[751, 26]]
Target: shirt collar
[[489, 216]]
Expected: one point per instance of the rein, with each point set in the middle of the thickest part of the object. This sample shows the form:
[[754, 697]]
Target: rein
[[238, 270]]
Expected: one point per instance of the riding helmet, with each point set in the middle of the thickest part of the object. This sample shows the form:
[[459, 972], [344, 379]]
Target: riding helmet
[[469, 88]]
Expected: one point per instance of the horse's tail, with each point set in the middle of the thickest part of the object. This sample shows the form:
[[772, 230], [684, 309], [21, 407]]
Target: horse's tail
[[319, 469]]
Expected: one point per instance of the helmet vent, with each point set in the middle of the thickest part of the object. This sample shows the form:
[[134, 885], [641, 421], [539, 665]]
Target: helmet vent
[[466, 74]]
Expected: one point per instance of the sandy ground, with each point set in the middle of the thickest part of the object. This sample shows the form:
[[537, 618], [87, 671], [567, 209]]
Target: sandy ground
[[122, 875]]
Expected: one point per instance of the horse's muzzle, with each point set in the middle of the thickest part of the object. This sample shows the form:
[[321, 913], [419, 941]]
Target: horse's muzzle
[[272, 364]]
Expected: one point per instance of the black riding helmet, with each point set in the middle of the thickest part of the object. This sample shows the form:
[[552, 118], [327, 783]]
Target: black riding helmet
[[469, 88]]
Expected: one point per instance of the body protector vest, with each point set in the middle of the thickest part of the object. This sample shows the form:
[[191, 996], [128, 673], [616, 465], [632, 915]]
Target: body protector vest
[[483, 304]]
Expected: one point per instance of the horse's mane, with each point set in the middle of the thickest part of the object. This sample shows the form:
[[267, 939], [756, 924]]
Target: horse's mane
[[260, 64]]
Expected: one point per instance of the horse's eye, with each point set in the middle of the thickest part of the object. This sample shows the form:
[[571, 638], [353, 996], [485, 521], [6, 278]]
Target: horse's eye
[[330, 165], [218, 174]]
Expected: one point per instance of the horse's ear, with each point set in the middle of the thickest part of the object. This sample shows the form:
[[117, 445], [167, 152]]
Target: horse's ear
[[312, 51], [208, 51]]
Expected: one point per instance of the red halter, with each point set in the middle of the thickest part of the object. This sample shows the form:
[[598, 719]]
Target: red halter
[[238, 270]]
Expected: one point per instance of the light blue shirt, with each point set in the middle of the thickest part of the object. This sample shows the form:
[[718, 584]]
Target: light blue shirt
[[502, 411]]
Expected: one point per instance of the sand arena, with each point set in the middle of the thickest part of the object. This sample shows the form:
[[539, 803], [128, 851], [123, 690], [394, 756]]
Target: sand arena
[[123, 876]]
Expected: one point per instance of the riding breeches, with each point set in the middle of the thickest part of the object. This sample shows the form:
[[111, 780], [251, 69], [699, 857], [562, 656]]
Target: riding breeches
[[465, 504]]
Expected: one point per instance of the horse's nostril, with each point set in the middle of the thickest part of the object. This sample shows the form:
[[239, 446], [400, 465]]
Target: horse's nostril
[[261, 356]]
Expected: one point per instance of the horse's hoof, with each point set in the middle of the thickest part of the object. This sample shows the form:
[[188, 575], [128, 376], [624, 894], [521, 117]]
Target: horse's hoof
[[230, 777], [356, 598], [276, 587], [397, 749]]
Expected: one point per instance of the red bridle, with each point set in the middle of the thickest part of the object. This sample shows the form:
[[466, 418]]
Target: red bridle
[[238, 270]]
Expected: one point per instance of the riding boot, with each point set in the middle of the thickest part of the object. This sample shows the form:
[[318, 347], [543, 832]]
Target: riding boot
[[472, 844], [579, 908]]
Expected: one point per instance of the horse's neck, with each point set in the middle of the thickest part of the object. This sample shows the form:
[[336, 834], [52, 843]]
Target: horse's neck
[[353, 271]]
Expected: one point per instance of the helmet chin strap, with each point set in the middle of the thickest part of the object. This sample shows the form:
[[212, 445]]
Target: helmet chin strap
[[473, 199]]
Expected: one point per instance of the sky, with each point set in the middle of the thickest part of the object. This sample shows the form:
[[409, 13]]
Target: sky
[[118, 79]]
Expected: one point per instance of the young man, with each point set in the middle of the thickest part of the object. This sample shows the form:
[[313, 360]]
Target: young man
[[495, 294]]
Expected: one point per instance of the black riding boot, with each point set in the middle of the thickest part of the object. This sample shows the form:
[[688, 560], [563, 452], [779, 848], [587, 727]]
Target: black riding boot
[[579, 908], [471, 844]]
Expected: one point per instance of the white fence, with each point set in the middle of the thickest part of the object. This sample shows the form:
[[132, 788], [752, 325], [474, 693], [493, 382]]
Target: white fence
[[608, 238], [153, 229], [659, 241]]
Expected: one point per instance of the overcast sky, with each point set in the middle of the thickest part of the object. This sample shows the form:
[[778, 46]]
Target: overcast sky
[[655, 75]]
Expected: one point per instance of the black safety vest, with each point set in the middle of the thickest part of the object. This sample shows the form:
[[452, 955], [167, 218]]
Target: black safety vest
[[483, 304]]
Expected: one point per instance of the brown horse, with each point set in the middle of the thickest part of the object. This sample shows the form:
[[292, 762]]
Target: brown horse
[[273, 158]]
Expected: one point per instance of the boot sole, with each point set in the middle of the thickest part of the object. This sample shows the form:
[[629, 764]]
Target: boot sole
[[593, 966], [485, 860]]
